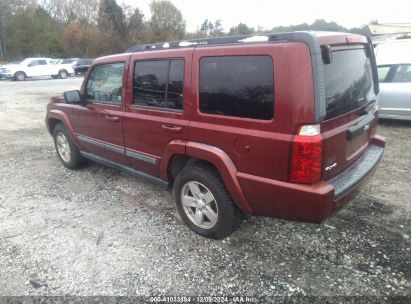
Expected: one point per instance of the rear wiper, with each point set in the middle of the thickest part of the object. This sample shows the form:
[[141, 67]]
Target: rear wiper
[[366, 108]]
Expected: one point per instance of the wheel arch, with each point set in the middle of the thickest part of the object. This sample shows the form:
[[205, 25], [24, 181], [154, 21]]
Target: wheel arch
[[20, 71], [56, 116], [182, 154]]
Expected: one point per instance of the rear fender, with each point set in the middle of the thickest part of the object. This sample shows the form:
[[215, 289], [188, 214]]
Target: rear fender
[[225, 167], [215, 156]]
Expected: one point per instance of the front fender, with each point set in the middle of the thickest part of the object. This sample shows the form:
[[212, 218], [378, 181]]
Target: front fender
[[61, 116]]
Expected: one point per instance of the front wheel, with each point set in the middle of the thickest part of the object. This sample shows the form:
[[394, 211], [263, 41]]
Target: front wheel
[[204, 203], [67, 152]]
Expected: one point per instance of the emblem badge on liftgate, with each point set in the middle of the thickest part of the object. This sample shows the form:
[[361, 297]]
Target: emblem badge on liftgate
[[331, 167]]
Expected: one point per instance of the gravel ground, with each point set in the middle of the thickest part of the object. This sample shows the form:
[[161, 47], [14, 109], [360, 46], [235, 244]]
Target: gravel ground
[[98, 231]]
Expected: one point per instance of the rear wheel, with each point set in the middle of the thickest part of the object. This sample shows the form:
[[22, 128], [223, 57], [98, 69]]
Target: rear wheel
[[20, 76], [63, 74], [67, 152], [204, 203]]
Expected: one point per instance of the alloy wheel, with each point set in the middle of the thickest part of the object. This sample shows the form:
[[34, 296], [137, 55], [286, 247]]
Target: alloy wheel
[[63, 147], [199, 204]]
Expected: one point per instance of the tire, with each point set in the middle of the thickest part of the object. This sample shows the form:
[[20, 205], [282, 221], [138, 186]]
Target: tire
[[20, 76], [66, 150], [63, 74], [214, 216]]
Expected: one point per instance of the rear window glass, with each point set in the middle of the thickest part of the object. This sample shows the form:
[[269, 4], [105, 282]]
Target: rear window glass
[[238, 86], [159, 83], [349, 82]]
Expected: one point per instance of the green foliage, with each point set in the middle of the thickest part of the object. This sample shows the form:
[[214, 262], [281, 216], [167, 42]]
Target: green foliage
[[210, 29], [91, 28], [319, 25], [167, 22], [241, 29]]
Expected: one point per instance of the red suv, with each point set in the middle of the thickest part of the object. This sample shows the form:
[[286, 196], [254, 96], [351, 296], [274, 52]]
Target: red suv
[[282, 125]]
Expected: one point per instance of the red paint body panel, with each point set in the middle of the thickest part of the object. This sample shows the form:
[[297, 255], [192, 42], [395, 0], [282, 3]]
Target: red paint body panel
[[144, 127], [268, 141]]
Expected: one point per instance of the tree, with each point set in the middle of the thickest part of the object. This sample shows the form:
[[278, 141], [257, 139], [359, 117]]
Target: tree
[[70, 11], [111, 23], [135, 26], [241, 29], [111, 17], [210, 29], [167, 22]]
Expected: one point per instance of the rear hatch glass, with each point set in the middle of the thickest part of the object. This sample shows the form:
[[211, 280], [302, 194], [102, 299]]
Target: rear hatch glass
[[348, 80], [349, 86]]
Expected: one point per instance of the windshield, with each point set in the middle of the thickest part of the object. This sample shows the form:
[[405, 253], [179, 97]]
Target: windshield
[[349, 81], [65, 61]]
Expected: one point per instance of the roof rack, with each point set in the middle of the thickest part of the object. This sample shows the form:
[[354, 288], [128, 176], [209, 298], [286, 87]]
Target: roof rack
[[215, 41]]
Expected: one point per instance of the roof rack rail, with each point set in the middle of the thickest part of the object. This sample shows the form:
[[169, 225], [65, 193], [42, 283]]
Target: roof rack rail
[[212, 41]]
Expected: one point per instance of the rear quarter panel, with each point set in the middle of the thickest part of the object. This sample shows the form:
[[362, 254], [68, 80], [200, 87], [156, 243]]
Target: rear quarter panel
[[268, 141]]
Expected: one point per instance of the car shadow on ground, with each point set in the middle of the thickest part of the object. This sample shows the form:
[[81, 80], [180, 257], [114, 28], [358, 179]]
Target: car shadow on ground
[[394, 123]]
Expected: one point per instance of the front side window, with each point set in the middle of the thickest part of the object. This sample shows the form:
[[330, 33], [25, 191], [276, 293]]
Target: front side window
[[402, 74], [33, 63], [105, 83], [237, 86], [383, 73], [159, 83]]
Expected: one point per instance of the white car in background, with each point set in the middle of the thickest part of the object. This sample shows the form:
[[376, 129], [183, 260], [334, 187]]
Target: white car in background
[[36, 67], [395, 88], [394, 74]]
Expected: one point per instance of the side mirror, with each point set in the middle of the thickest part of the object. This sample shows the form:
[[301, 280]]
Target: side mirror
[[73, 97]]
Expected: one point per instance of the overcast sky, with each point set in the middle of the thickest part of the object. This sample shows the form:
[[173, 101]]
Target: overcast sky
[[270, 13]]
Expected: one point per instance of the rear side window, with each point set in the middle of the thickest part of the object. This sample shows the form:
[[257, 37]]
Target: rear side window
[[159, 83], [402, 74], [238, 86]]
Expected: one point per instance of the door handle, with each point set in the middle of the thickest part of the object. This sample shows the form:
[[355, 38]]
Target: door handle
[[172, 128], [112, 118]]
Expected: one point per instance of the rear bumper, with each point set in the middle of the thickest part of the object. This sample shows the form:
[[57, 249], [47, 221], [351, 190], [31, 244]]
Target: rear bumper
[[310, 203]]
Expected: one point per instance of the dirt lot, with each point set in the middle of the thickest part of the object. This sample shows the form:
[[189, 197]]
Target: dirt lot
[[97, 231]]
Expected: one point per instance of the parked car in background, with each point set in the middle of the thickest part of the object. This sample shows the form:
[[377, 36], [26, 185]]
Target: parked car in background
[[81, 66], [67, 65], [395, 86], [202, 117], [394, 75], [35, 67]]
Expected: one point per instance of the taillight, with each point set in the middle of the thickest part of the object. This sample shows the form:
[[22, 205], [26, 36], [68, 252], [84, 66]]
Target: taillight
[[306, 156]]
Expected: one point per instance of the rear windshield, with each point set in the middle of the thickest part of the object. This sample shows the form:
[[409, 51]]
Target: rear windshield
[[349, 81]]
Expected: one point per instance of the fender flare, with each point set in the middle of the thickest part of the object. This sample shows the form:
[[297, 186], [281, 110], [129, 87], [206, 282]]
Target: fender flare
[[61, 116], [214, 155]]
